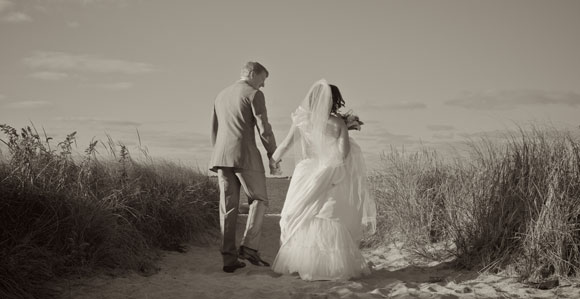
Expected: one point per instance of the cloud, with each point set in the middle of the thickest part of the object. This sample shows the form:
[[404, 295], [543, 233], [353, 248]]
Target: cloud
[[4, 4], [510, 99], [384, 137], [182, 142], [85, 63], [73, 24], [440, 127], [406, 106], [116, 86], [403, 105], [99, 121], [171, 139], [491, 134], [87, 2], [50, 76], [29, 105], [16, 17], [80, 1], [449, 135]]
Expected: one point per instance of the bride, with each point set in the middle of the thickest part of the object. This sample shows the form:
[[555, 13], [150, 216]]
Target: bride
[[328, 204]]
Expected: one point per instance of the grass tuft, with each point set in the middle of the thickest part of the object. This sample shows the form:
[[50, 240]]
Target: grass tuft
[[63, 214], [511, 205]]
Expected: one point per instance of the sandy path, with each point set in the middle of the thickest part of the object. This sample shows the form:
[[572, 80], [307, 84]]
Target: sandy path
[[197, 274]]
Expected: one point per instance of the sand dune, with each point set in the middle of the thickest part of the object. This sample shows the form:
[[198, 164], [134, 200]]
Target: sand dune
[[197, 274]]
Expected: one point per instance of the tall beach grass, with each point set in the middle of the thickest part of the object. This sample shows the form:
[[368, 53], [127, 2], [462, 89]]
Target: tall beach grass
[[62, 213], [512, 204], [509, 204]]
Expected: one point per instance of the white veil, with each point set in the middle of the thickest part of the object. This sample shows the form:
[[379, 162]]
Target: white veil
[[311, 119], [312, 142]]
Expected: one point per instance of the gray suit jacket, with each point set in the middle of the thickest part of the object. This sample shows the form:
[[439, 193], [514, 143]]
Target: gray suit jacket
[[237, 110]]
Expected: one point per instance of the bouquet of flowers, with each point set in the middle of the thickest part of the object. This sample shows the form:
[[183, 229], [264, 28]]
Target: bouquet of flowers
[[351, 120]]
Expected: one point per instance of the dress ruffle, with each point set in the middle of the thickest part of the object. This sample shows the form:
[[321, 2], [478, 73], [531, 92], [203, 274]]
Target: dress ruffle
[[327, 205], [321, 250]]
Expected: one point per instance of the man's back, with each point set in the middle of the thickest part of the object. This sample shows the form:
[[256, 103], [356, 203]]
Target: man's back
[[238, 163], [237, 110]]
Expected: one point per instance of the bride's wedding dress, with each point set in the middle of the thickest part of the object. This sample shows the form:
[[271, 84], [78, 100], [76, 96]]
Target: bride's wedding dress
[[326, 209]]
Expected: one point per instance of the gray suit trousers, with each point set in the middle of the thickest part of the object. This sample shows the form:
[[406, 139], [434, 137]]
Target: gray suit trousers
[[254, 183]]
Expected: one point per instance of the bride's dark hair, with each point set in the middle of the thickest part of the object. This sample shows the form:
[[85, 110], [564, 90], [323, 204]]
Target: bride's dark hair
[[337, 100]]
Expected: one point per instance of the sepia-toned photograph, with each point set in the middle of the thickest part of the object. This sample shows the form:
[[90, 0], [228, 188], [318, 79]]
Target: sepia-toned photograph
[[293, 149]]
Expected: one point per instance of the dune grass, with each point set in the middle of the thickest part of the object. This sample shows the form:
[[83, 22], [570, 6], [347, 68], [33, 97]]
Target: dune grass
[[62, 213], [510, 205]]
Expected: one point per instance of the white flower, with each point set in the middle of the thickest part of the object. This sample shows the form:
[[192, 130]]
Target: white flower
[[351, 120]]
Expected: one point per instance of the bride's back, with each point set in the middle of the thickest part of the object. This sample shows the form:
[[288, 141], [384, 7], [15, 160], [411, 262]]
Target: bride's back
[[329, 149], [333, 127]]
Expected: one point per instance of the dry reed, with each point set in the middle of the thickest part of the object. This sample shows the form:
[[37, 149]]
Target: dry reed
[[63, 214], [513, 204]]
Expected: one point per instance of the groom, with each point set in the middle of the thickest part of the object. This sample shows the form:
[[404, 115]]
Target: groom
[[236, 159]]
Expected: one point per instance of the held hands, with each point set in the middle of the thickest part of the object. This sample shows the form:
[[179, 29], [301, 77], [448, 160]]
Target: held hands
[[275, 167]]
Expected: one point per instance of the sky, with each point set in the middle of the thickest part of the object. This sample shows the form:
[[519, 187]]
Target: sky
[[418, 73]]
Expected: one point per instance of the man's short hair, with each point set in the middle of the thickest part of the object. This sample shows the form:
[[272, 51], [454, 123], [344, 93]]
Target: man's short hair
[[253, 66]]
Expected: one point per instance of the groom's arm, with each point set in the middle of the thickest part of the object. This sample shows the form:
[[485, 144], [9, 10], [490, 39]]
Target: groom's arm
[[264, 127]]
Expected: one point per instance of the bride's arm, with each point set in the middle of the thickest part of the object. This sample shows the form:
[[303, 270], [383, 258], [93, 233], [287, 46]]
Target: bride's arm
[[343, 141], [285, 145]]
